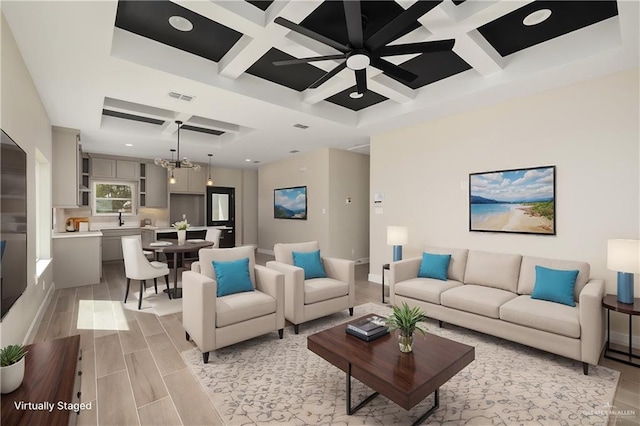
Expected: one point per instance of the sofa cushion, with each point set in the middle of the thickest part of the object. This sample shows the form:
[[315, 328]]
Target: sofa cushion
[[434, 266], [542, 315], [555, 285], [458, 261], [319, 289], [232, 276], [311, 262], [240, 307], [477, 299], [427, 289], [493, 270], [528, 273]]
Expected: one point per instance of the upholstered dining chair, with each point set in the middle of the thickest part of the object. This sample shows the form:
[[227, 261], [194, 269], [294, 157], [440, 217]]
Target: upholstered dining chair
[[213, 235], [227, 298], [138, 267], [314, 286]]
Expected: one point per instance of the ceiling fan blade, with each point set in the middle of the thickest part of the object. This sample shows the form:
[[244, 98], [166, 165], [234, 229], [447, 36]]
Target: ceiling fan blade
[[393, 70], [424, 47], [328, 76], [311, 34], [353, 15], [307, 60], [361, 80], [394, 28]]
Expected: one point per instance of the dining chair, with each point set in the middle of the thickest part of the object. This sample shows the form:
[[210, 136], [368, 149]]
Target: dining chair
[[138, 267]]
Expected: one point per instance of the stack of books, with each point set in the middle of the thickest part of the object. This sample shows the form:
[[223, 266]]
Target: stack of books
[[369, 328]]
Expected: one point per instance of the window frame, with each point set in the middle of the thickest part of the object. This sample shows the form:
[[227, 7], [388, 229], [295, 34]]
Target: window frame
[[134, 197]]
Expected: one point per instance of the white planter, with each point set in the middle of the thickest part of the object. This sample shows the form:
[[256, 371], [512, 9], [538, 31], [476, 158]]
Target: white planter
[[182, 237], [11, 376]]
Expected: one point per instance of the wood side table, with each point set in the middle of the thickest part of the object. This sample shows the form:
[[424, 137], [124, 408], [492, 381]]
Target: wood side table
[[610, 302]]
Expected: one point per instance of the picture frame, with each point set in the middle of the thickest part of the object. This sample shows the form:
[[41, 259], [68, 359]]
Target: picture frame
[[518, 201], [290, 203]]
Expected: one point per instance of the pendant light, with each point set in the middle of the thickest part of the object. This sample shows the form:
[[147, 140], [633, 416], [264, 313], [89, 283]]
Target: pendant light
[[178, 163], [210, 181]]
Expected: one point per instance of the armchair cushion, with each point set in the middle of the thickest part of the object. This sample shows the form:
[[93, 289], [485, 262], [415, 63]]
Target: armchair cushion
[[310, 262], [240, 307], [232, 276], [320, 289]]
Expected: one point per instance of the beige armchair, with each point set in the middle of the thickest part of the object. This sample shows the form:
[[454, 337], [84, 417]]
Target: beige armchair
[[214, 322], [309, 299]]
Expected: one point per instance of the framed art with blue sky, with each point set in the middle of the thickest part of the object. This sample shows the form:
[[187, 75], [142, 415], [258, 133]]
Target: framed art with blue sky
[[290, 203], [518, 201]]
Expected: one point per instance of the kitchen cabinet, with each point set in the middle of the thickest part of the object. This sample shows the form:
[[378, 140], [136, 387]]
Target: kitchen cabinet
[[65, 170], [153, 186], [227, 237], [109, 168], [112, 244], [189, 181], [77, 259]]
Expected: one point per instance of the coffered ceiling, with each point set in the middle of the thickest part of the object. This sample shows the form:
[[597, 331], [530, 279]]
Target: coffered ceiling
[[122, 74]]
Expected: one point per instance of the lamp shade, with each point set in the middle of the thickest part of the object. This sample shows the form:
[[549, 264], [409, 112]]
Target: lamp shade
[[623, 256], [397, 235]]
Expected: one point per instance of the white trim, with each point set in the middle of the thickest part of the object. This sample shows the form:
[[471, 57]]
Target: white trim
[[265, 251], [375, 278], [623, 339], [33, 328]]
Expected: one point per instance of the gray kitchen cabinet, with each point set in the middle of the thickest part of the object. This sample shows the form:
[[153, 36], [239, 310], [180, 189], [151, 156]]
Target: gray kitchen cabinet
[[109, 168], [77, 259], [153, 186], [127, 169], [112, 244], [65, 167], [189, 181]]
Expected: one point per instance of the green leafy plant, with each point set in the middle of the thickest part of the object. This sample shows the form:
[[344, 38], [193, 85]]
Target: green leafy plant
[[406, 319], [11, 354]]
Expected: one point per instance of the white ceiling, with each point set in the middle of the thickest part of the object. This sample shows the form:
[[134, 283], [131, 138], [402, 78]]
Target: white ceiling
[[79, 62]]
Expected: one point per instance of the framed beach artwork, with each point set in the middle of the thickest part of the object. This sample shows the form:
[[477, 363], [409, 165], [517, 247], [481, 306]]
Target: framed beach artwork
[[290, 203], [521, 201]]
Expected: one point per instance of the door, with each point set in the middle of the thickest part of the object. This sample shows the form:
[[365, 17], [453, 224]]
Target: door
[[221, 206]]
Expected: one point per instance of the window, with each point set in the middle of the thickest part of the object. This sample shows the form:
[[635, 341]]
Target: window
[[111, 198]]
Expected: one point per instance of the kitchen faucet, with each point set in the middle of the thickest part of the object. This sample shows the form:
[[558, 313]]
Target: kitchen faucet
[[120, 221]]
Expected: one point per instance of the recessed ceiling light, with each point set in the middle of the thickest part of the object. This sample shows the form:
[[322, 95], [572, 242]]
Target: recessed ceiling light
[[180, 23], [128, 144], [293, 151], [256, 162], [356, 95], [536, 17], [247, 160], [301, 126]]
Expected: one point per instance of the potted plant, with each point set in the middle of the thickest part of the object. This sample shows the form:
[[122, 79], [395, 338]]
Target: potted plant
[[181, 227], [405, 320], [11, 367]]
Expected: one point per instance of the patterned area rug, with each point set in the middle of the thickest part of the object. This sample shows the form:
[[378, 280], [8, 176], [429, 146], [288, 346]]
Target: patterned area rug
[[152, 302], [271, 381]]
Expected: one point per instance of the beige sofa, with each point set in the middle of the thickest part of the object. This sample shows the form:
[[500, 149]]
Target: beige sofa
[[490, 293]]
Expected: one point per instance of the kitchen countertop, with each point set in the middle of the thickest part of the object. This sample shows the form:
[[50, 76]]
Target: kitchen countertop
[[84, 234], [191, 228]]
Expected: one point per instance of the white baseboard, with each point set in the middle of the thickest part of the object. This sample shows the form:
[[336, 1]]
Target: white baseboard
[[265, 251], [375, 278], [33, 328], [623, 339]]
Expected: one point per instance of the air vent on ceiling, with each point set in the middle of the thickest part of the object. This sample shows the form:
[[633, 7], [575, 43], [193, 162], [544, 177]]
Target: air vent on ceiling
[[176, 95], [301, 126], [132, 117], [202, 130], [294, 151]]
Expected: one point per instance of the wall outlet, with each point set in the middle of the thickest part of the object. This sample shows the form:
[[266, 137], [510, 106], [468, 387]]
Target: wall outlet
[[353, 251]]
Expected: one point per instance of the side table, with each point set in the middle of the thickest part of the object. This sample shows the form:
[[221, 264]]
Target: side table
[[387, 267], [610, 302]]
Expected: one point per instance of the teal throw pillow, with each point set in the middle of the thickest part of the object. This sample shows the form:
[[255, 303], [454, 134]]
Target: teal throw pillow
[[310, 262], [554, 285], [232, 276], [434, 266]]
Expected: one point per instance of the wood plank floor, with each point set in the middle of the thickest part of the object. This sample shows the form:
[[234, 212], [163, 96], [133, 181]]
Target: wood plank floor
[[133, 372]]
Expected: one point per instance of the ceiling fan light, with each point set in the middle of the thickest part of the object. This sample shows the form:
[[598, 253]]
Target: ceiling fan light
[[537, 17], [180, 23], [358, 61]]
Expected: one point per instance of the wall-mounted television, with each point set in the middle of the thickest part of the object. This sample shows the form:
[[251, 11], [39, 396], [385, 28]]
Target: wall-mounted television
[[13, 226]]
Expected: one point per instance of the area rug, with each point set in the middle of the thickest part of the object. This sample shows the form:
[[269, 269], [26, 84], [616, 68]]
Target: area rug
[[158, 304], [271, 381]]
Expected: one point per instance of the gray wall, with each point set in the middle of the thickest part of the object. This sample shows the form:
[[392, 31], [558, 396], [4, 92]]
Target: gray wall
[[24, 119]]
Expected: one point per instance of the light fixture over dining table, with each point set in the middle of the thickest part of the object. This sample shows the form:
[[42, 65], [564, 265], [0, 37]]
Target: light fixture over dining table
[[178, 163]]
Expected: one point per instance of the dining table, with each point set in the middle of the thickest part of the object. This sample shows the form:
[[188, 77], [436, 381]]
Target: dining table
[[167, 246]]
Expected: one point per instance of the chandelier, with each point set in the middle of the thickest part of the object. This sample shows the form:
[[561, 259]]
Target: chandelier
[[177, 163]]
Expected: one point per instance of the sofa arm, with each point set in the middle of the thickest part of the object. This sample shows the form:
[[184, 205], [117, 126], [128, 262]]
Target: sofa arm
[[402, 270], [199, 309], [293, 290], [592, 321], [195, 266], [271, 282], [342, 270]]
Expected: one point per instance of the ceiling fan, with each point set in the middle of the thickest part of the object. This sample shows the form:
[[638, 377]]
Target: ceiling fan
[[358, 54]]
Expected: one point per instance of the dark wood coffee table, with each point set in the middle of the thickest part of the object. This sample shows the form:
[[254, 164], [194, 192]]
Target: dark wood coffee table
[[405, 379]]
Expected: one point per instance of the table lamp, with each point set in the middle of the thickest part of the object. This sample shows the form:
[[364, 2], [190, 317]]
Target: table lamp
[[397, 236], [624, 256]]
